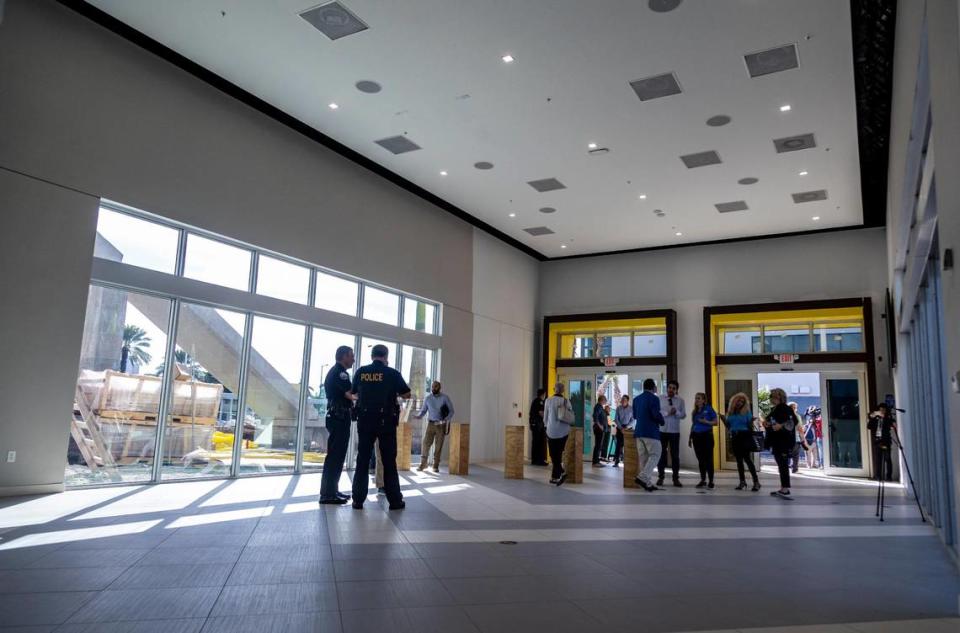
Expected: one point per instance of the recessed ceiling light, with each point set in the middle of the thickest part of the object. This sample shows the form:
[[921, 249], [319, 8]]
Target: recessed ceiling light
[[333, 106], [643, 196], [815, 218], [785, 107], [443, 173], [507, 59], [563, 246], [513, 215], [591, 146], [678, 233], [803, 173]]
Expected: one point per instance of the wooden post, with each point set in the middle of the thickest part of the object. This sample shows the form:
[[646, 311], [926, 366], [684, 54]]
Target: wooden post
[[513, 451], [459, 440], [630, 459], [404, 445], [573, 456]]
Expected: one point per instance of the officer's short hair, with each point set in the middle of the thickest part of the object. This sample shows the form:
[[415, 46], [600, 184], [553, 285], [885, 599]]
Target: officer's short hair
[[342, 352], [379, 351], [649, 384]]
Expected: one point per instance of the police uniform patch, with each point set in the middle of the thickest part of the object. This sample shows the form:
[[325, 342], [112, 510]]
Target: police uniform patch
[[344, 376]]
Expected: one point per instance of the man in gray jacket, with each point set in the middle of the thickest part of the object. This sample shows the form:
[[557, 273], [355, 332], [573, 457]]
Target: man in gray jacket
[[440, 410]]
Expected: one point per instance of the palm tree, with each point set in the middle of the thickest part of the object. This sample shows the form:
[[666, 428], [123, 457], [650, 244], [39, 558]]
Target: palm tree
[[135, 346]]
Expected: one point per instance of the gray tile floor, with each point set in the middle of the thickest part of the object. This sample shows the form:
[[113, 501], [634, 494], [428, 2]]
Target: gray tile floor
[[259, 555]]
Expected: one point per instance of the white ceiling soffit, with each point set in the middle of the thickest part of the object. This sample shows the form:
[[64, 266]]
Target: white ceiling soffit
[[495, 138]]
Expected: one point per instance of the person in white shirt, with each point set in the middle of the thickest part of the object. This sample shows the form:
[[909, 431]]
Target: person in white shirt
[[673, 410], [558, 413], [440, 409]]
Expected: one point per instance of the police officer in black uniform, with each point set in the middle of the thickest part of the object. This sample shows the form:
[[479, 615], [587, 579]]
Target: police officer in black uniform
[[339, 407], [377, 387]]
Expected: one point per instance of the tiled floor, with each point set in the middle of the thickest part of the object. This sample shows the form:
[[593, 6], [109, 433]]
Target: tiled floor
[[260, 555]]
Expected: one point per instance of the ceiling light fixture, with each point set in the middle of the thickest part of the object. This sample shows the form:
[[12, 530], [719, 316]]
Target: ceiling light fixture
[[815, 218], [643, 196], [443, 173], [563, 246], [803, 173], [785, 108], [678, 234], [507, 59], [591, 146], [333, 106], [513, 215]]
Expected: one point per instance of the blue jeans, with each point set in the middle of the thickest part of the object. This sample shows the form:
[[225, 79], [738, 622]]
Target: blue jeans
[[337, 440]]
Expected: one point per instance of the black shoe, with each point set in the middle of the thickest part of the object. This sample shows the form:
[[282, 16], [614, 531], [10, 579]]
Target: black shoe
[[742, 486], [640, 482], [343, 495], [710, 485], [554, 481], [338, 501], [677, 484], [599, 464], [756, 486], [398, 506], [702, 484], [659, 481], [381, 491], [562, 479], [357, 506], [616, 464], [650, 488]]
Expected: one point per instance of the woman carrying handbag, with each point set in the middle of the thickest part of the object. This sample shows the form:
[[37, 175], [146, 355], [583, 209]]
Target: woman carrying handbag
[[559, 416], [739, 420]]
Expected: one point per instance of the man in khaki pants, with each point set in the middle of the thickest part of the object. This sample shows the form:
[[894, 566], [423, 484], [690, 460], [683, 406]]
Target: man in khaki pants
[[440, 410]]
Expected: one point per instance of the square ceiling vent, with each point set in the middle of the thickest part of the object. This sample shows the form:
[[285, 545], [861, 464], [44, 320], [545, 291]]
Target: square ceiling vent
[[794, 143], [547, 184], [657, 86], [539, 230], [773, 60], [730, 207], [701, 159], [398, 144], [810, 196], [334, 20]]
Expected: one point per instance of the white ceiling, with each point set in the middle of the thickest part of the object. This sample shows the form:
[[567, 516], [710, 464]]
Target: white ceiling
[[569, 86]]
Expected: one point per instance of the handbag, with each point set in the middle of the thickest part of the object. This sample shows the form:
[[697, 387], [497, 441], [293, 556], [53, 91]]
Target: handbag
[[759, 441], [565, 414]]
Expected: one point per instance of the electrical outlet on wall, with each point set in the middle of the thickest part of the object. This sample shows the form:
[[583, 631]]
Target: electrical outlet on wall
[[11, 456]]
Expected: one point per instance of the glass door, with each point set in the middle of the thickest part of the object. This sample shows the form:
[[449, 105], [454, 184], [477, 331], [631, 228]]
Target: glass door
[[733, 381], [844, 423]]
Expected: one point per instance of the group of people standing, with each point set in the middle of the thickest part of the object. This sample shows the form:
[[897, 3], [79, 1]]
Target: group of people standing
[[655, 422]]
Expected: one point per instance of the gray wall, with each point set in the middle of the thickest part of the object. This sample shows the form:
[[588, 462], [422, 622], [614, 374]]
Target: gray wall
[[84, 109], [45, 248], [825, 266]]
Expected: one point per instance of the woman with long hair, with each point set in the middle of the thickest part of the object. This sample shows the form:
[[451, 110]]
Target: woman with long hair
[[780, 424], [739, 420], [704, 418]]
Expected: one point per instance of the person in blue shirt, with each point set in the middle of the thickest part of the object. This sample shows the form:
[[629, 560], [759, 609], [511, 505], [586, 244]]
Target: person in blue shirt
[[739, 421], [704, 418], [648, 420]]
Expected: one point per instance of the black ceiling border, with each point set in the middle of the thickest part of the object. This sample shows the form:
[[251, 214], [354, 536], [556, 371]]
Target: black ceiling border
[[134, 36], [873, 24]]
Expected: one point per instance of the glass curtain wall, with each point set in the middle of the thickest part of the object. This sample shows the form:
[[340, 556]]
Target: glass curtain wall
[[171, 387]]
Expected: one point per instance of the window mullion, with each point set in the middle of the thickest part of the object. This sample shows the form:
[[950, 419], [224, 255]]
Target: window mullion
[[242, 394], [166, 388], [304, 395]]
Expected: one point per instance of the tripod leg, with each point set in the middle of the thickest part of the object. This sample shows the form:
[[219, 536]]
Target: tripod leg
[[879, 487], [883, 489]]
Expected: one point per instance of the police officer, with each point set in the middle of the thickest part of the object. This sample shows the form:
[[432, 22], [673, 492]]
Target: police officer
[[377, 387], [339, 405]]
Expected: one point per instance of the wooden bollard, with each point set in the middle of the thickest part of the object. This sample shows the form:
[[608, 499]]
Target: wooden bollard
[[630, 460], [404, 445], [459, 457], [573, 456], [513, 451]]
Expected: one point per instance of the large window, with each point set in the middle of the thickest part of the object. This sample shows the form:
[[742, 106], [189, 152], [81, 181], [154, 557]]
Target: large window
[[242, 389], [637, 343], [113, 427], [417, 369], [791, 338], [204, 380]]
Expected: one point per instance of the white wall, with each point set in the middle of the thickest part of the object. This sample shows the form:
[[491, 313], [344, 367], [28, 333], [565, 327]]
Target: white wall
[[44, 288], [505, 288], [823, 266]]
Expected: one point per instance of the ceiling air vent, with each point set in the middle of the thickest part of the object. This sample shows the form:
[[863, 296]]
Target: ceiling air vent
[[398, 144], [701, 159], [730, 207], [773, 60], [547, 184], [809, 196], [539, 230], [334, 20], [657, 86], [794, 143]]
